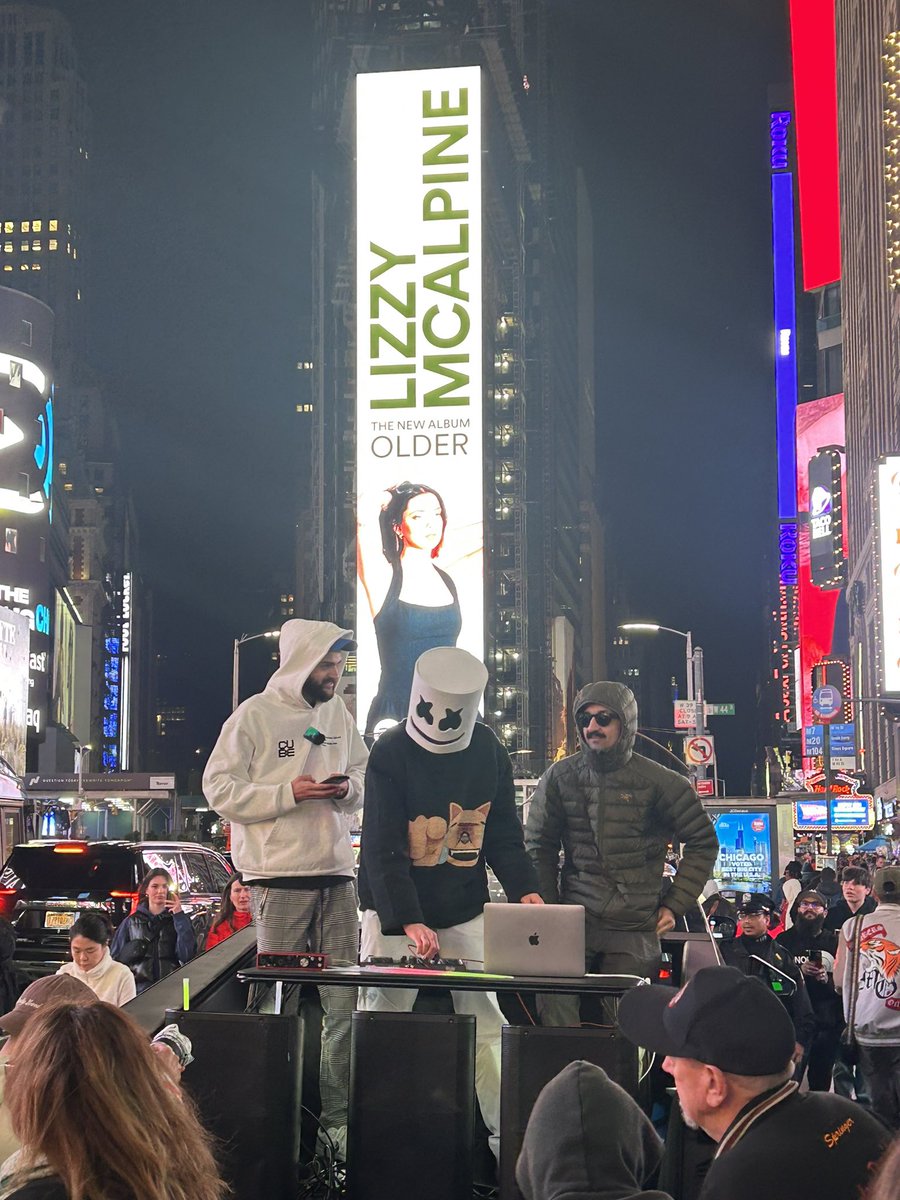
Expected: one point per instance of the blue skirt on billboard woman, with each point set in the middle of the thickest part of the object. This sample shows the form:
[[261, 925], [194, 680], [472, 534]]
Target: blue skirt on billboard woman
[[403, 631]]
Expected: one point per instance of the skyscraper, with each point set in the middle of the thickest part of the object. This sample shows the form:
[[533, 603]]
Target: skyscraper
[[45, 124], [868, 60], [44, 135]]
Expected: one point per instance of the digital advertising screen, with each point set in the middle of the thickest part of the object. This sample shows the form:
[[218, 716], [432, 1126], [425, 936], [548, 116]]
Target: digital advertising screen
[[744, 862], [420, 532], [27, 464], [847, 812], [15, 641], [819, 423], [888, 532]]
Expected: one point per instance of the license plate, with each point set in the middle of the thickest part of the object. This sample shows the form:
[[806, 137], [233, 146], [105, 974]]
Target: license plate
[[62, 920]]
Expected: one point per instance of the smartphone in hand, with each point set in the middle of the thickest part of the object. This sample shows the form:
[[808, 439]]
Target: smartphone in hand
[[336, 779]]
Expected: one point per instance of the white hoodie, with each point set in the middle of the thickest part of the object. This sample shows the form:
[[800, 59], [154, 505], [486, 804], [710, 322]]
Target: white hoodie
[[262, 748], [110, 980]]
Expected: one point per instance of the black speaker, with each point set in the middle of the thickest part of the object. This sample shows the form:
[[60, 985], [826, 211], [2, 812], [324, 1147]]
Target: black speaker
[[412, 1107], [532, 1056], [246, 1085]]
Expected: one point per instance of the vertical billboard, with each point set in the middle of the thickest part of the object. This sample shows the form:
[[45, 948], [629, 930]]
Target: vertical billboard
[[814, 68], [826, 519], [887, 525], [15, 650], [26, 482], [420, 531], [785, 329], [820, 423]]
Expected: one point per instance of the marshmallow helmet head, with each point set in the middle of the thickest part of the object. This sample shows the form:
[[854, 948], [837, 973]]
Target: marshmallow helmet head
[[448, 684]]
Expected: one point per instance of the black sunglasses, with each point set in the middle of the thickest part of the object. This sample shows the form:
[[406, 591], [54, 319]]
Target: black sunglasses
[[603, 719]]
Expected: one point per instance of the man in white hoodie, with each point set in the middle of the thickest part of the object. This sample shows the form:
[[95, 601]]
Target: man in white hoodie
[[287, 772]]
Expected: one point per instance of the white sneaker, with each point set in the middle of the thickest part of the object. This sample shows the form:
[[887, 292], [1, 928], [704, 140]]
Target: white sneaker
[[333, 1141]]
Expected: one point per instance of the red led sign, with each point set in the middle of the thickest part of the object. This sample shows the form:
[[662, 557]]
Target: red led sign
[[815, 116]]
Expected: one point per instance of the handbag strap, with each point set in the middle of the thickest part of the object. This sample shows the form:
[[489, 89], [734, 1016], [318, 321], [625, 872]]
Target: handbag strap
[[854, 973]]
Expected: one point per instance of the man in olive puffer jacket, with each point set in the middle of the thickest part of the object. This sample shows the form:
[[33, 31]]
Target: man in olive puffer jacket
[[613, 813]]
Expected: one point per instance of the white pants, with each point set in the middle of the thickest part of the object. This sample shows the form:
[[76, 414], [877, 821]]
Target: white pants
[[459, 941]]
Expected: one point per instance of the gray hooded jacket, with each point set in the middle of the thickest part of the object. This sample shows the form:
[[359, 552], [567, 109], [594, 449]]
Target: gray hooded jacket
[[613, 813]]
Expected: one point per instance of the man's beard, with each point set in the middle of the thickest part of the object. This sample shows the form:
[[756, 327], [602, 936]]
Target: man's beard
[[811, 925], [317, 693]]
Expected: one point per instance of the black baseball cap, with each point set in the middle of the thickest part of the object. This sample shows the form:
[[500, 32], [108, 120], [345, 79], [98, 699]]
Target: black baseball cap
[[756, 902], [721, 1017]]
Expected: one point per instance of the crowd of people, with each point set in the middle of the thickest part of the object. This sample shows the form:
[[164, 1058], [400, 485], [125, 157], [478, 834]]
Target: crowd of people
[[786, 1059]]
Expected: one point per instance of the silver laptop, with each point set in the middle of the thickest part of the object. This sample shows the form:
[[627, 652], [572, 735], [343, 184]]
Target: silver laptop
[[534, 939]]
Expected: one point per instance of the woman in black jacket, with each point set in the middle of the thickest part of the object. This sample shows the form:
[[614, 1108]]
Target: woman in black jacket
[[157, 938], [12, 982]]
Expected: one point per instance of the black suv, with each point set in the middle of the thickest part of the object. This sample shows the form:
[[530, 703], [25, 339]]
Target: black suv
[[45, 885]]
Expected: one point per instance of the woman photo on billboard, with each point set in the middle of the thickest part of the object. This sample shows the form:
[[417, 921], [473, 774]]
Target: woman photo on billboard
[[414, 603]]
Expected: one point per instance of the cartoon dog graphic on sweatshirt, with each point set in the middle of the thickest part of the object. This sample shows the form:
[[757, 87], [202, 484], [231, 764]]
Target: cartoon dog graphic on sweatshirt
[[432, 841]]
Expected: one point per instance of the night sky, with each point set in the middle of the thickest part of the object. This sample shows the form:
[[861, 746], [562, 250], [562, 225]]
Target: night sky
[[200, 299]]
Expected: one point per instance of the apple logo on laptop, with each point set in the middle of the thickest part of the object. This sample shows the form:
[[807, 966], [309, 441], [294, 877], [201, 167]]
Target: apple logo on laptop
[[534, 940]]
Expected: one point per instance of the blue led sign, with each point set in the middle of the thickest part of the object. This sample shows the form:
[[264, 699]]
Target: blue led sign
[[785, 336]]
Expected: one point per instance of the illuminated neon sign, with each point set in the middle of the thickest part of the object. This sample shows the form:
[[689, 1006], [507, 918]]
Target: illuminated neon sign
[[887, 570], [419, 367], [814, 62], [784, 312]]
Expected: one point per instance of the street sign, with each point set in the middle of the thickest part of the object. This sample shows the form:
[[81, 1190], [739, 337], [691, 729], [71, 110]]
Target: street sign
[[685, 711], [686, 714], [827, 702], [842, 739], [842, 744], [698, 751], [706, 787]]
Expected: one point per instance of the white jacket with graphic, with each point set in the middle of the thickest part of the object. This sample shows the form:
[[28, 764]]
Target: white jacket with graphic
[[262, 748], [877, 1019]]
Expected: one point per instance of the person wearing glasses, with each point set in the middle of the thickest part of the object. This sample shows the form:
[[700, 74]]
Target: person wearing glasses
[[813, 949], [612, 814]]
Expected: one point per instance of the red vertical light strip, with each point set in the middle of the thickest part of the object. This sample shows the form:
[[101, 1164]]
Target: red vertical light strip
[[815, 107], [819, 423]]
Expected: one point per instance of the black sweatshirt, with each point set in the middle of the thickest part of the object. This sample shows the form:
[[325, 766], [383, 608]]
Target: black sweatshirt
[[431, 823]]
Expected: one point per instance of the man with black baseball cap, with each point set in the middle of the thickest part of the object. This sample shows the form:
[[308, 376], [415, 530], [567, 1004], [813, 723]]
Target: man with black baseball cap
[[813, 949], [729, 1044], [756, 953]]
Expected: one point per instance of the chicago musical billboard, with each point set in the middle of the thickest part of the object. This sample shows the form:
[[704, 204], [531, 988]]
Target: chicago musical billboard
[[419, 378]]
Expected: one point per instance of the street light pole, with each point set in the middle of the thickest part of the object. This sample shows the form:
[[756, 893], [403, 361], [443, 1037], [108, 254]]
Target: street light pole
[[236, 661], [694, 673]]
